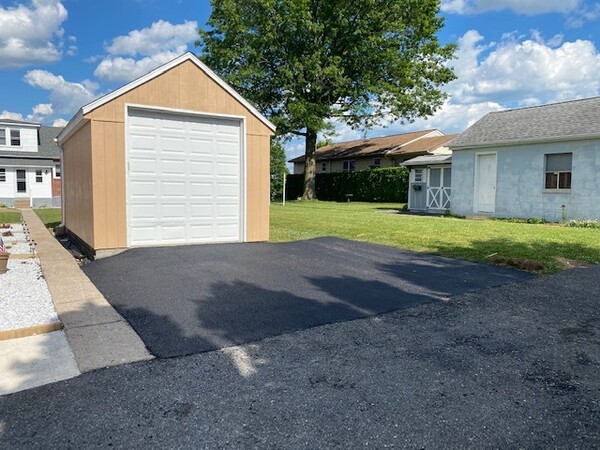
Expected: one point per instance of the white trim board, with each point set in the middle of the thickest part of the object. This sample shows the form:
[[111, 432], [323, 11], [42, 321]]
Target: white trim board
[[78, 119]]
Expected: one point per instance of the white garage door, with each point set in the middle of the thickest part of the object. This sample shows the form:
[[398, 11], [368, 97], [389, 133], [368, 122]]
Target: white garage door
[[185, 179]]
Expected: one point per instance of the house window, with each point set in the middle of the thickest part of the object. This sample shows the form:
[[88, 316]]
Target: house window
[[348, 166], [2, 175], [38, 176], [57, 171], [377, 162], [2, 136], [419, 176], [324, 167], [558, 170], [15, 138]]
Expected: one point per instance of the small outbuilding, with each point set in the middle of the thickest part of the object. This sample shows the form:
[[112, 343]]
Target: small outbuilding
[[174, 157], [536, 162]]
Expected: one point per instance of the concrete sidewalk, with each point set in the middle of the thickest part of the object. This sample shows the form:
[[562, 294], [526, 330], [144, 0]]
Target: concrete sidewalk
[[98, 335]]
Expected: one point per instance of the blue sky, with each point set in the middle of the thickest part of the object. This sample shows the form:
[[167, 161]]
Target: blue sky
[[56, 55]]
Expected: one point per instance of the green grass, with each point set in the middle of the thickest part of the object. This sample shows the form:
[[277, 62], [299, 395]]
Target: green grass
[[8, 215], [52, 217], [543, 248]]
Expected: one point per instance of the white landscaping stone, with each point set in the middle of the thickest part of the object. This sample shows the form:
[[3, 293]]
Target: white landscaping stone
[[25, 300]]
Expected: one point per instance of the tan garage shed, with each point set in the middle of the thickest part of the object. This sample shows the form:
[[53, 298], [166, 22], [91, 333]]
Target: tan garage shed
[[174, 157]]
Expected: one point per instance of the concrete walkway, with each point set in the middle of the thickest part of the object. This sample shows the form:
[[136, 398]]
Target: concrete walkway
[[98, 335]]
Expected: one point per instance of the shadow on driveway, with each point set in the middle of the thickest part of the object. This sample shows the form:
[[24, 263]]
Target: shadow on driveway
[[193, 299]]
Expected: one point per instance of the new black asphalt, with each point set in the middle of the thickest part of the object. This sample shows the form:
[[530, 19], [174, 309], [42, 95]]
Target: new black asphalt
[[514, 366], [185, 300]]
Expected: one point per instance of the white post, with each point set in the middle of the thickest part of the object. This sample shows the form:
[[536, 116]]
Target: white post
[[284, 179]]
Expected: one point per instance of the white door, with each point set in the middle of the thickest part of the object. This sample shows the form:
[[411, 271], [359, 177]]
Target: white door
[[485, 189], [185, 179], [439, 188], [21, 178]]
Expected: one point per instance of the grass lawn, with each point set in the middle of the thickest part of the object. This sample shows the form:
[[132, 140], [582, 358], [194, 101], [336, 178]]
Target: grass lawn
[[52, 217], [8, 215], [537, 248]]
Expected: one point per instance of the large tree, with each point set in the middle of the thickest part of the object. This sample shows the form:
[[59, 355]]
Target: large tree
[[304, 63]]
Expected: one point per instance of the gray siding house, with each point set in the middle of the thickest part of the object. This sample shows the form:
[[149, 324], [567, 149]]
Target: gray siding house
[[541, 162]]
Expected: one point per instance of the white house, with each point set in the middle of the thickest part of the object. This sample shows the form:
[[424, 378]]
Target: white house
[[541, 162], [30, 171]]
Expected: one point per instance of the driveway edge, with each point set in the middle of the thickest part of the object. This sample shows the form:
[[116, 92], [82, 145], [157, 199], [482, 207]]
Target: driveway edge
[[98, 335]]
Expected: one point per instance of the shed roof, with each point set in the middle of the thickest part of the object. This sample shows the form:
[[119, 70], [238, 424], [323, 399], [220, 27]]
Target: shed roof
[[575, 119], [428, 159], [78, 119], [367, 147]]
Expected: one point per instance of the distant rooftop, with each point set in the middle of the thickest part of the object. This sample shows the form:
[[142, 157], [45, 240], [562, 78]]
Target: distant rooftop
[[574, 118], [18, 122], [378, 146]]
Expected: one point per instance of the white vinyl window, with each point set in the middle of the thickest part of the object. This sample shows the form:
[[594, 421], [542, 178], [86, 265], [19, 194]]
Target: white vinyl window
[[15, 138], [9, 137], [419, 175], [348, 166], [377, 162], [558, 171], [2, 175], [324, 167], [39, 177], [57, 171]]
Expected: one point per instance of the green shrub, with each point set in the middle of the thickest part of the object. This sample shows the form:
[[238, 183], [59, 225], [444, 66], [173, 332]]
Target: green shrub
[[373, 185], [532, 220], [583, 223]]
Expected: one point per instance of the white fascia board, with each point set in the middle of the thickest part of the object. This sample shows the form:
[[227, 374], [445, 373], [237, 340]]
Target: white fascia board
[[74, 124], [166, 67]]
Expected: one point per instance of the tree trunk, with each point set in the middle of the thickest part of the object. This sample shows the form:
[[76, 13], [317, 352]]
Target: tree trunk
[[310, 164]]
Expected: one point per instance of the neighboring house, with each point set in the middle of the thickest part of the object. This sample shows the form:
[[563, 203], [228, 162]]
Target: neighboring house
[[174, 157], [386, 151], [30, 171], [430, 174], [541, 162]]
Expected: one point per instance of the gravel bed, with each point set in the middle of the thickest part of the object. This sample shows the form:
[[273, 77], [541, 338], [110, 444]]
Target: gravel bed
[[19, 249], [24, 297], [17, 243]]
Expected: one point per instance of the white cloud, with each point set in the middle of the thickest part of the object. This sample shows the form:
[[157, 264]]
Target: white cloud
[[160, 37], [121, 69], [66, 97], [529, 7], [41, 113], [60, 123], [141, 51], [31, 34], [586, 13]]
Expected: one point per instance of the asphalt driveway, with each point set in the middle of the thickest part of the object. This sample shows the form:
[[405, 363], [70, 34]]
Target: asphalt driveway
[[193, 299], [514, 366]]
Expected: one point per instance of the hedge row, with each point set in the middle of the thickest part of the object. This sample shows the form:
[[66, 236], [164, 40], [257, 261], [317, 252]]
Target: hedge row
[[373, 185]]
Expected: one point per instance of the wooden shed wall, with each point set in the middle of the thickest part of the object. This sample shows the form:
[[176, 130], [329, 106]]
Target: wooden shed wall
[[184, 87], [77, 184]]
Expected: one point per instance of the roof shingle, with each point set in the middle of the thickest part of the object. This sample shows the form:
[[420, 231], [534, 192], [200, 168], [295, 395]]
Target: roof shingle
[[546, 122], [365, 147]]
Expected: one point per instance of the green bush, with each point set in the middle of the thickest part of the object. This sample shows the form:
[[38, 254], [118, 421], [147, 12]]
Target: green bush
[[373, 185], [583, 224]]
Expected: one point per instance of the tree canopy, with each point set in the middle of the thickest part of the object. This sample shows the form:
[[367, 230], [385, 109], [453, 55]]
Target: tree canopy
[[304, 63]]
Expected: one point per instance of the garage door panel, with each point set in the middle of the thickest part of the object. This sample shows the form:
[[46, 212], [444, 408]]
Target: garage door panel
[[184, 179]]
